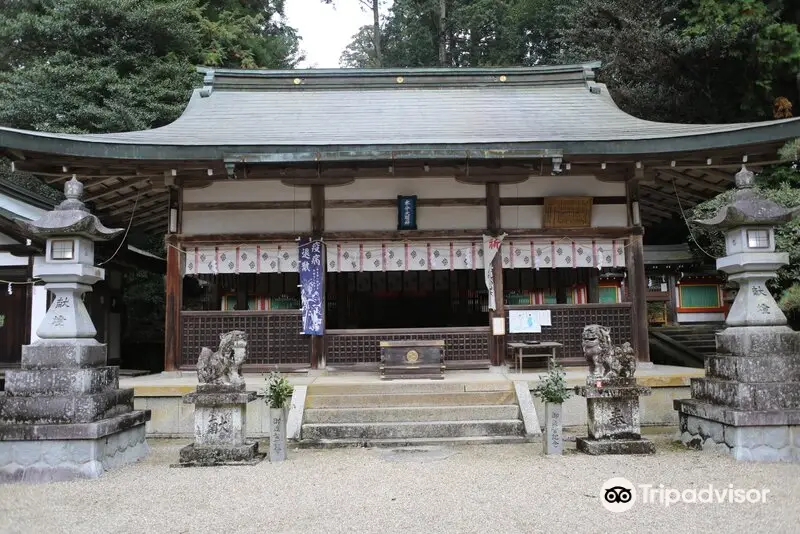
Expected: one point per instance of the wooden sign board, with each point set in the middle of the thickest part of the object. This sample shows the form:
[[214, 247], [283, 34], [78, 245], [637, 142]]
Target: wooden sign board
[[567, 212]]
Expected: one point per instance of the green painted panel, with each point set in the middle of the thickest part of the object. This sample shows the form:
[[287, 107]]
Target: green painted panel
[[699, 297], [607, 295]]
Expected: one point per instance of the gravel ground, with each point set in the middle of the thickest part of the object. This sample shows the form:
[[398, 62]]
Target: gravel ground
[[495, 488]]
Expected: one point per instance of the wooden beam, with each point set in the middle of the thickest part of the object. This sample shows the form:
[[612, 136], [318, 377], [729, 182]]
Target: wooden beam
[[149, 202], [670, 174], [261, 205], [376, 203], [620, 232], [723, 177], [654, 208], [132, 196], [145, 217], [752, 162], [103, 190], [670, 197]]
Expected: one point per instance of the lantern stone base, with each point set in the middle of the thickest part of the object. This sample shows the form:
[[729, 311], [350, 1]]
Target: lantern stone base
[[613, 417], [61, 452], [220, 422], [754, 442], [748, 404]]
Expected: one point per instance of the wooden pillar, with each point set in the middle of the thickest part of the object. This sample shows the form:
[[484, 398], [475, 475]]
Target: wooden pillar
[[26, 336], [317, 230], [672, 313], [637, 281], [172, 315], [593, 290], [173, 334], [497, 345]]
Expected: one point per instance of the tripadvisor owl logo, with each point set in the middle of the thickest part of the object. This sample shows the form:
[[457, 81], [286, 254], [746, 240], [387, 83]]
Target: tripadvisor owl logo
[[618, 495]]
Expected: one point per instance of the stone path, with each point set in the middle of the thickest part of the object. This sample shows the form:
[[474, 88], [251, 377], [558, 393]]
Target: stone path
[[498, 488]]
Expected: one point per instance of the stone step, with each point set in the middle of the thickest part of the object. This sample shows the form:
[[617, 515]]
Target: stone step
[[66, 409], [414, 442], [410, 399], [408, 386], [411, 414], [430, 429], [766, 342], [753, 369], [49, 382], [747, 396]]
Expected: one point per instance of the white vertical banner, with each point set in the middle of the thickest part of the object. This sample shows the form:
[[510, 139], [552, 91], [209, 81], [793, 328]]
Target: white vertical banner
[[491, 246]]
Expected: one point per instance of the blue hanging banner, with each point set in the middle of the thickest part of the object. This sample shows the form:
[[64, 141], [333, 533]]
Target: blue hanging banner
[[311, 286], [407, 212]]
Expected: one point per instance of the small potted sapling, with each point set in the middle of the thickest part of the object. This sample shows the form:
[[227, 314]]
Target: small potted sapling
[[553, 391], [277, 395]]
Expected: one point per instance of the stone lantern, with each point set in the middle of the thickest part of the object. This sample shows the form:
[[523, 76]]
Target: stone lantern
[[749, 225], [62, 415], [748, 403]]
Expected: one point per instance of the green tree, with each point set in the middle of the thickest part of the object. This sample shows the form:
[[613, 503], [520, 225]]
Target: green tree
[[121, 65], [687, 61], [96, 65], [248, 34], [367, 34], [360, 53]]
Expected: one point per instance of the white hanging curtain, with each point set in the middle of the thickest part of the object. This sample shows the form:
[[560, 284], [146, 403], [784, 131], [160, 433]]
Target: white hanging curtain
[[371, 256]]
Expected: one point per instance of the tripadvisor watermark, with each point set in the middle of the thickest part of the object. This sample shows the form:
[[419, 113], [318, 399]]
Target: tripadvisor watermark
[[619, 495]]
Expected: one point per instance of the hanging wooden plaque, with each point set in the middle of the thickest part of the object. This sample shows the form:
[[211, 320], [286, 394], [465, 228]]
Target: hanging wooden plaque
[[567, 212]]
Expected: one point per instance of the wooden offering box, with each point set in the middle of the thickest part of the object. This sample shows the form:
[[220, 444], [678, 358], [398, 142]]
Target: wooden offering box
[[412, 359]]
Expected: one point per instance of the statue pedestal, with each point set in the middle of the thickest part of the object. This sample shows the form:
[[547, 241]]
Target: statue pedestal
[[63, 416], [220, 426], [613, 417], [748, 404]]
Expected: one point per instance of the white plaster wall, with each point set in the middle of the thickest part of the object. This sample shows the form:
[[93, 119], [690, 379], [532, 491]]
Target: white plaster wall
[[388, 188], [532, 216], [246, 191], [6, 259], [20, 208], [246, 221], [700, 317], [38, 310], [549, 186], [428, 218]]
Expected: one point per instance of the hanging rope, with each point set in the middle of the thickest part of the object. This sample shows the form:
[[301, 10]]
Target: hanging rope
[[686, 222], [128, 229]]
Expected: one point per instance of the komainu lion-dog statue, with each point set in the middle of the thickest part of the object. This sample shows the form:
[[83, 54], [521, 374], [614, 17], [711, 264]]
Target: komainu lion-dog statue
[[605, 359], [224, 366]]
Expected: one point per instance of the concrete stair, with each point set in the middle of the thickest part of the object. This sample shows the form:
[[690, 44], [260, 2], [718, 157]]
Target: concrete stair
[[411, 413], [700, 338]]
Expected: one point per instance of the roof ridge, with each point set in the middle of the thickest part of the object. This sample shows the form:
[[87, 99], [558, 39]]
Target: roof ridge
[[400, 78]]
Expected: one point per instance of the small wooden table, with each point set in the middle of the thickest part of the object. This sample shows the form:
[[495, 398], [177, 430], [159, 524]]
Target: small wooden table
[[533, 350]]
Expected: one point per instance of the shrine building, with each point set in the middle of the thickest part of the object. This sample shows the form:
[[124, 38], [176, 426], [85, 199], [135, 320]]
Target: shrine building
[[378, 197]]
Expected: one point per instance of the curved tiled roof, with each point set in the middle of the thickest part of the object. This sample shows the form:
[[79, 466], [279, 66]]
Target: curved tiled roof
[[369, 112]]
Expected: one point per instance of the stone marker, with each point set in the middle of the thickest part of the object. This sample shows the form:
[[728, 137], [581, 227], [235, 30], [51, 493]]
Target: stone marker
[[748, 404], [612, 397], [220, 408], [62, 415]]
